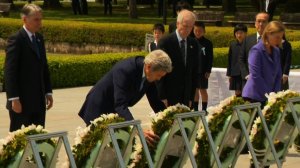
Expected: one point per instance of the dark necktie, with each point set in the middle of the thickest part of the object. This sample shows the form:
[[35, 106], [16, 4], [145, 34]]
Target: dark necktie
[[35, 44], [182, 49]]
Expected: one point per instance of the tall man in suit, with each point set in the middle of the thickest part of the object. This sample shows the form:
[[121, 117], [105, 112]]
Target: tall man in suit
[[179, 86], [268, 6], [125, 84], [261, 20], [27, 80]]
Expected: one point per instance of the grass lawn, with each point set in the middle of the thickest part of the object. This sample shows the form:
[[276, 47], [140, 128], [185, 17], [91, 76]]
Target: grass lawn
[[146, 13]]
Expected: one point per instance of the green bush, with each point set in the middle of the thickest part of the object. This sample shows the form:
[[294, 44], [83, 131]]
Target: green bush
[[84, 32], [114, 33], [72, 71]]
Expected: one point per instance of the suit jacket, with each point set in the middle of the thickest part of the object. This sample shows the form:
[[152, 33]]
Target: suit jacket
[[179, 85], [233, 68], [247, 44], [271, 7], [122, 87], [26, 72], [207, 55], [265, 73], [286, 57]]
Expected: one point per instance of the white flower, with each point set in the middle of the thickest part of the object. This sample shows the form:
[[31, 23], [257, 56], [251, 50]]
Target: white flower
[[201, 132], [39, 128], [112, 116], [210, 118], [77, 140], [195, 149]]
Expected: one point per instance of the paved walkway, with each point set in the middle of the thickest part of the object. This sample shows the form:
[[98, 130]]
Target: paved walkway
[[63, 117]]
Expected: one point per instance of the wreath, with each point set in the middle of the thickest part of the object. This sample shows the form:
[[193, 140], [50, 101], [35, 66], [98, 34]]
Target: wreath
[[219, 116], [161, 123], [87, 138], [12, 147], [272, 111]]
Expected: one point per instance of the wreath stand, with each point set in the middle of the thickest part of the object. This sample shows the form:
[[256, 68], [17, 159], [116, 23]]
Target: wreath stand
[[283, 131], [246, 130], [34, 148], [118, 154], [179, 140]]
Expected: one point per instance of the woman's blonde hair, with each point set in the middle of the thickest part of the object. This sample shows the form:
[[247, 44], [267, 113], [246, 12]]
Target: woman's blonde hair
[[272, 27]]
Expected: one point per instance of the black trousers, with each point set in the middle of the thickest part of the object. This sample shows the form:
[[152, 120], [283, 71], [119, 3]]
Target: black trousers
[[26, 119], [107, 7]]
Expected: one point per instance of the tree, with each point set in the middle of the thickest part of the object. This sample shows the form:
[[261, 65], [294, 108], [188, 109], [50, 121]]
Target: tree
[[51, 4], [132, 9]]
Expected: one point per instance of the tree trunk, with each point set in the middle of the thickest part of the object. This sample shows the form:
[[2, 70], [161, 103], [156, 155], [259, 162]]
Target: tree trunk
[[132, 9], [229, 5], [51, 4]]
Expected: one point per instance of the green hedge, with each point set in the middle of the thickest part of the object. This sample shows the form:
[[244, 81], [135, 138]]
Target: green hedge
[[72, 71], [114, 33]]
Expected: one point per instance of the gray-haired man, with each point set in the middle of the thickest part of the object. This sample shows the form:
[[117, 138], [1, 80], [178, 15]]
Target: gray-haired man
[[124, 85], [27, 80]]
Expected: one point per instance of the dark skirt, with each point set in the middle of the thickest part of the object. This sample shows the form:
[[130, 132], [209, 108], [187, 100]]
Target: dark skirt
[[235, 83], [202, 82]]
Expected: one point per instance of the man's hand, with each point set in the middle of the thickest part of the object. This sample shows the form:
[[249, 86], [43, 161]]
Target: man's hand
[[49, 101], [16, 106], [207, 74], [284, 79], [150, 137], [247, 77], [165, 101]]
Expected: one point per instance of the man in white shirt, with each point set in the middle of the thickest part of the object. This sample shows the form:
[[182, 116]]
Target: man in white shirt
[[27, 79]]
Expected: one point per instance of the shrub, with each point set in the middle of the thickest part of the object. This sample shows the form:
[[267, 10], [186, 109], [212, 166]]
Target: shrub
[[115, 33], [72, 71]]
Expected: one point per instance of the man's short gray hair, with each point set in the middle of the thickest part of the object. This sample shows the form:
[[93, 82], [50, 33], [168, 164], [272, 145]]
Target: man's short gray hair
[[159, 61], [30, 9], [187, 15]]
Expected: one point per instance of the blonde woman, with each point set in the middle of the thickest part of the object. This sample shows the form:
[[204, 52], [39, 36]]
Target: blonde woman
[[264, 65]]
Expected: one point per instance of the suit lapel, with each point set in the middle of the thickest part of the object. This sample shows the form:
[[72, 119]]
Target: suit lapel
[[176, 46], [28, 41], [189, 47]]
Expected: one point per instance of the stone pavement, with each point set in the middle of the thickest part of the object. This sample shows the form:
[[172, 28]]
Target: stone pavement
[[63, 117]]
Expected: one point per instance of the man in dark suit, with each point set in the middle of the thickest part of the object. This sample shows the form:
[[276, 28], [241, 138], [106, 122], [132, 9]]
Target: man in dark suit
[[26, 73], [179, 86], [125, 84], [268, 6], [286, 59], [107, 7], [261, 20]]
